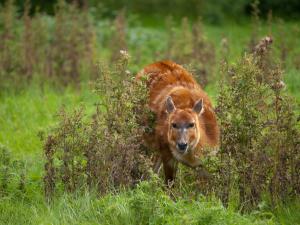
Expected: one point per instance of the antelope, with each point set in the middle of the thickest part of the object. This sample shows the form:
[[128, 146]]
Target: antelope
[[185, 120]]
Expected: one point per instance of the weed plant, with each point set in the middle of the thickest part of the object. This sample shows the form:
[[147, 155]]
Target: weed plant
[[259, 134], [60, 52], [190, 46], [105, 152]]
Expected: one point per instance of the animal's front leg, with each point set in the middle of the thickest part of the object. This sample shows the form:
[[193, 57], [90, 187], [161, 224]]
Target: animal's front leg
[[196, 163], [170, 168], [157, 161], [199, 167]]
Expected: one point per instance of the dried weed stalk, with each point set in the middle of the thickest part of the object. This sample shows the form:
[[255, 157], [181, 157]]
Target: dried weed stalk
[[190, 46], [62, 51]]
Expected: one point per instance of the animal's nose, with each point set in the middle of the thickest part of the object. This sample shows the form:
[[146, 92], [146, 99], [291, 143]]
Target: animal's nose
[[182, 146]]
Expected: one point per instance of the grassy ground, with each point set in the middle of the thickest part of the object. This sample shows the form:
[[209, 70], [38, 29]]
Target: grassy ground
[[32, 111], [147, 204]]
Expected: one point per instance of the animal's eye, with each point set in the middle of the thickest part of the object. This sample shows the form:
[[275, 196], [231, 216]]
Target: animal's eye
[[174, 125], [191, 125]]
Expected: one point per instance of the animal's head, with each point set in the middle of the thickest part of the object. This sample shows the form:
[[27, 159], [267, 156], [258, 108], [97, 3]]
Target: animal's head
[[184, 129]]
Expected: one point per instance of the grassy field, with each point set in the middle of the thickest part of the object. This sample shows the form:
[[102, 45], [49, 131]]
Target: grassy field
[[147, 204], [27, 114]]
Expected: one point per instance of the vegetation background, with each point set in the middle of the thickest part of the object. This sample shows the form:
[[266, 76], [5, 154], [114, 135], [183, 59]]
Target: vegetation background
[[71, 115]]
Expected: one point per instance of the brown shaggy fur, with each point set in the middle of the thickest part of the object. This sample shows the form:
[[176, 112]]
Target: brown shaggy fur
[[165, 79]]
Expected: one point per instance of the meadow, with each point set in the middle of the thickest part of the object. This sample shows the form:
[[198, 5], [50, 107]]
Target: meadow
[[46, 76]]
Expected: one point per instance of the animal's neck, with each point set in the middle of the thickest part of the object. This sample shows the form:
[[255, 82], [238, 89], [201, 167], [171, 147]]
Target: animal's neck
[[189, 159]]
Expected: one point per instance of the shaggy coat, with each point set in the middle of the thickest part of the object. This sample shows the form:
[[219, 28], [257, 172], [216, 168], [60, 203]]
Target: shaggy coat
[[185, 119]]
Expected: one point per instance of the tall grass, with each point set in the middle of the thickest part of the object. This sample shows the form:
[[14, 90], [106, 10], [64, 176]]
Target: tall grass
[[68, 45], [49, 54], [148, 203]]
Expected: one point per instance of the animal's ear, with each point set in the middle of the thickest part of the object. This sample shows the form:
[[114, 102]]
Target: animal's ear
[[199, 107], [170, 105]]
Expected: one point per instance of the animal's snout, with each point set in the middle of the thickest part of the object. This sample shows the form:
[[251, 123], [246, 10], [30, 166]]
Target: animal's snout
[[182, 146]]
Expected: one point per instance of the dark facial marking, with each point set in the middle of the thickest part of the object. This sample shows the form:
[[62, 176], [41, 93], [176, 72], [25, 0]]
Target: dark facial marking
[[182, 126]]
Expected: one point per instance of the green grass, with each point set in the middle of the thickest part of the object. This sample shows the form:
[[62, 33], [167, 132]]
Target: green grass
[[288, 214], [147, 204], [25, 114]]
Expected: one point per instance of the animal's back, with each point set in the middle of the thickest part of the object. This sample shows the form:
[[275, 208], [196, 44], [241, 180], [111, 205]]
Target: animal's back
[[167, 78]]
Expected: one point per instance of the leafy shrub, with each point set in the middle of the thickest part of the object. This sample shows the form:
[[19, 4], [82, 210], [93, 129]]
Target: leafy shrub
[[107, 152], [259, 140], [64, 151]]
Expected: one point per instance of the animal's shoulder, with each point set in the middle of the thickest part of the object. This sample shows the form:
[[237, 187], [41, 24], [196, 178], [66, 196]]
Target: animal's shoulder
[[163, 73]]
